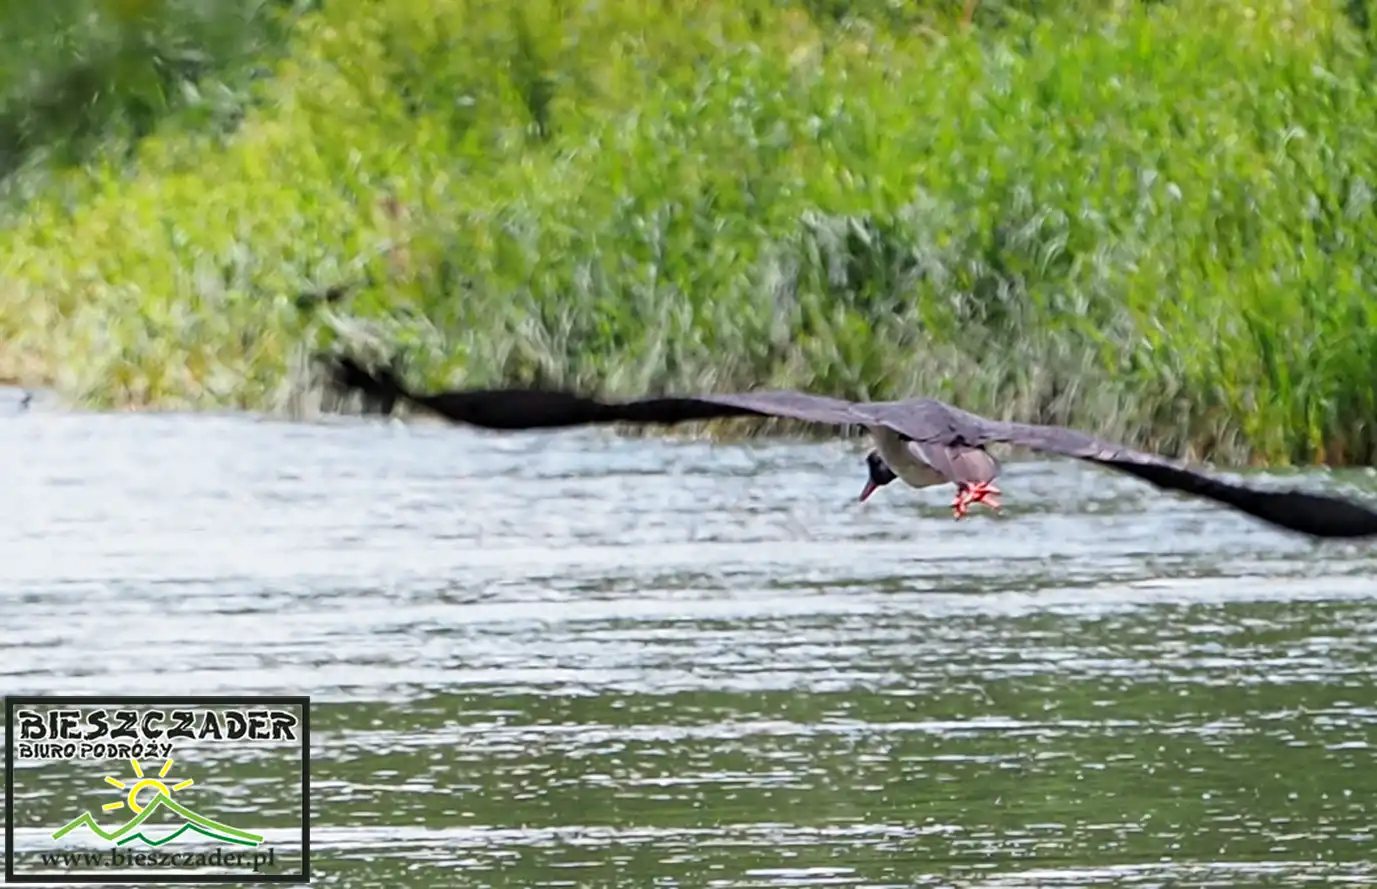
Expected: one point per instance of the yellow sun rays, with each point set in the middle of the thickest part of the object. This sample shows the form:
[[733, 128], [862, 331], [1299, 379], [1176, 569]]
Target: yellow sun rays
[[156, 784]]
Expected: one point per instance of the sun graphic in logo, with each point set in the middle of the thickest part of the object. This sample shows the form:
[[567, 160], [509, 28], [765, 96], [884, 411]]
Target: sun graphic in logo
[[154, 784]]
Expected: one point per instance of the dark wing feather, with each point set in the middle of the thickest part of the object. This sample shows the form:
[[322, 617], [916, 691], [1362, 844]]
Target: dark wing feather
[[515, 409], [1317, 515], [783, 404]]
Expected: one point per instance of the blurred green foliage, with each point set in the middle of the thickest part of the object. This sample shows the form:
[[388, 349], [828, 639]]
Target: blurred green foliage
[[1153, 220], [76, 72]]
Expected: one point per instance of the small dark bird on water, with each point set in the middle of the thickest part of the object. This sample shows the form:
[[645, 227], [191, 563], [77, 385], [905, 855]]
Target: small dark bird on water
[[920, 441]]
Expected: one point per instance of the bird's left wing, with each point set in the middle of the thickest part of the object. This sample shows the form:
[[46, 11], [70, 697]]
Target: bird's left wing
[[1317, 515]]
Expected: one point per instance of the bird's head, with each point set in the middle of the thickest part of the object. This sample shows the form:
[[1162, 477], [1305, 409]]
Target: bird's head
[[880, 474]]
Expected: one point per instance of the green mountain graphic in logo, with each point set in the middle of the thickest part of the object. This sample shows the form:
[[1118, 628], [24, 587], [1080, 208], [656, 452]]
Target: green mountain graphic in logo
[[128, 832]]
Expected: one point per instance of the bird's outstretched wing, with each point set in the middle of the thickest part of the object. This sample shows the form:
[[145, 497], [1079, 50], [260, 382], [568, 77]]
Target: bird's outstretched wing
[[513, 409], [1317, 515]]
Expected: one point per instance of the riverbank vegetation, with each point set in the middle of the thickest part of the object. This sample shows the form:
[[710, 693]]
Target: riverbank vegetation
[[1152, 220]]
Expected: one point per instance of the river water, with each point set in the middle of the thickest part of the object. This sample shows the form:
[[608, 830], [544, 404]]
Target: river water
[[577, 660]]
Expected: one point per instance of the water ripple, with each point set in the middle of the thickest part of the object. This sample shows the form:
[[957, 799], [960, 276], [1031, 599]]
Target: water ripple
[[572, 659]]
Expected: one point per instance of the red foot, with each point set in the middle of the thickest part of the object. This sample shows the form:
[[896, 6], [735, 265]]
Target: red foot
[[967, 495]]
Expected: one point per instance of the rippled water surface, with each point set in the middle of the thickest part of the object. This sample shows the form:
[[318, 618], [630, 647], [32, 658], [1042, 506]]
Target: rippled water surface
[[572, 659]]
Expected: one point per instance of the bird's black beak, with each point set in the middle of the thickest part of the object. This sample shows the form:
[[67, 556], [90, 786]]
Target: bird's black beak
[[870, 488]]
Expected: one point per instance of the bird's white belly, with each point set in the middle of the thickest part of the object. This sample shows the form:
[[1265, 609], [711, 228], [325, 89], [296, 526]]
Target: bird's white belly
[[897, 454]]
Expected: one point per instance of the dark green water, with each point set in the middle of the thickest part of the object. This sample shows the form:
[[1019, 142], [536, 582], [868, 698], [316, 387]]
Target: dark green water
[[570, 660]]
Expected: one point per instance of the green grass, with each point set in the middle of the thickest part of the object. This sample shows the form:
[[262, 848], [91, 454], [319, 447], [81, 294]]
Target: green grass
[[76, 75], [1150, 220]]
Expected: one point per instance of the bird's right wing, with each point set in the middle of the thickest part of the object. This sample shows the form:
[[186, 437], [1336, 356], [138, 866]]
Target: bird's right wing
[[783, 404], [517, 409]]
